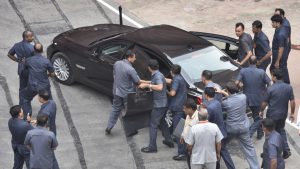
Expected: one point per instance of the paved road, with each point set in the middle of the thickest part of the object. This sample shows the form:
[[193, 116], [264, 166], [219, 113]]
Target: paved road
[[82, 112]]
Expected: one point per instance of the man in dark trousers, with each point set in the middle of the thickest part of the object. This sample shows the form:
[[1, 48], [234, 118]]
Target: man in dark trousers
[[245, 45], [160, 107], [261, 46], [278, 97], [272, 149], [19, 53], [280, 48], [206, 78], [178, 94], [42, 144], [215, 115], [39, 69], [255, 82], [18, 129], [125, 81]]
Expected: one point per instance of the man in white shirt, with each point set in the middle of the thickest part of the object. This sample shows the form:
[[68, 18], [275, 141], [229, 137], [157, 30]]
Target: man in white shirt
[[204, 143]]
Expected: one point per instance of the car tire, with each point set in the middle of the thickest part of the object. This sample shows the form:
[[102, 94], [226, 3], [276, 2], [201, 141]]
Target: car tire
[[64, 73]]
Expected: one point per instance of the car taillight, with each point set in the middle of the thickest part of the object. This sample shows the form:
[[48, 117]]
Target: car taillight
[[199, 100]]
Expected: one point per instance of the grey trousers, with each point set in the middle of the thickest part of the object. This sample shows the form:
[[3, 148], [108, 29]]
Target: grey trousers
[[118, 104]]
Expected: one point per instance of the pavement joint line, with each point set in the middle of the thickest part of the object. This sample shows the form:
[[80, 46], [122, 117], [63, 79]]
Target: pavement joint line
[[102, 11], [117, 12], [62, 14], [5, 87], [42, 22]]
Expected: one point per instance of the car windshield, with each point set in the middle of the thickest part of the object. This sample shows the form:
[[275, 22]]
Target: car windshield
[[209, 58]]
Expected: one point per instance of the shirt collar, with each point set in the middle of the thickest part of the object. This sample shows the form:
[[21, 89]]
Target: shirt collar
[[252, 66], [279, 81], [126, 61], [154, 72]]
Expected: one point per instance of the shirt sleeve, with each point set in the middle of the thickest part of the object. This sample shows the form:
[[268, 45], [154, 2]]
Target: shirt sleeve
[[245, 46], [134, 76], [190, 137], [158, 80], [54, 141], [12, 51], [219, 135], [175, 84], [265, 45], [272, 151], [281, 40]]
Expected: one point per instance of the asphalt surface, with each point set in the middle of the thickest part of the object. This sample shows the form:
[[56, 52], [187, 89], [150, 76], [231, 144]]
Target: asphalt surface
[[82, 112]]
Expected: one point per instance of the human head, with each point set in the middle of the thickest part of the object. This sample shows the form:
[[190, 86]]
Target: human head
[[252, 60], [256, 26], [276, 75], [175, 70], [239, 29], [279, 11], [16, 112], [44, 96], [268, 125], [189, 107], [209, 92], [206, 76], [41, 120], [276, 21], [38, 48], [232, 88], [202, 114], [130, 56], [28, 36], [153, 65]]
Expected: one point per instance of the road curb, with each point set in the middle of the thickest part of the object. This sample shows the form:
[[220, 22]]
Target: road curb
[[293, 137]]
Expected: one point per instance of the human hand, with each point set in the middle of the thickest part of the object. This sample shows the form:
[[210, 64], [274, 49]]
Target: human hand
[[28, 118], [258, 63], [292, 118], [182, 140], [276, 65], [143, 85], [261, 114]]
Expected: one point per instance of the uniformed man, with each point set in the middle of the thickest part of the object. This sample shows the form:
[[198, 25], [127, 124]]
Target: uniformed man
[[277, 98], [286, 24], [255, 82], [39, 69], [272, 150], [22, 50], [261, 46], [18, 129], [245, 45], [125, 81], [42, 144], [160, 107], [206, 79], [280, 48], [215, 115], [237, 122]]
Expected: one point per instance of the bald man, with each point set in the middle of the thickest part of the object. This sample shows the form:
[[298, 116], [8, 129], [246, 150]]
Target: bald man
[[19, 53], [39, 69]]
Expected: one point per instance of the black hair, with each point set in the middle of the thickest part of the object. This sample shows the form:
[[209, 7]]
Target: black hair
[[281, 11], [210, 92], [277, 73], [44, 94], [207, 74], [41, 120], [257, 24], [38, 49], [129, 53], [268, 124], [252, 60], [153, 64], [240, 24], [176, 69], [25, 34], [190, 103], [15, 110], [232, 87], [277, 18]]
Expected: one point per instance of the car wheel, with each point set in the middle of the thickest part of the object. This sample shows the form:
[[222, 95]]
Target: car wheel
[[62, 68]]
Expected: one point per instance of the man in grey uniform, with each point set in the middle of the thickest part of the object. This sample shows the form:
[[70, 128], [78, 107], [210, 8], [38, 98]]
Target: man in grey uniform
[[160, 106], [42, 144], [206, 78], [245, 45], [255, 82], [237, 122]]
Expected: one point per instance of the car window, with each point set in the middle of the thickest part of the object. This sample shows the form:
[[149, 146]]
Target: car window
[[233, 47], [113, 52], [219, 44]]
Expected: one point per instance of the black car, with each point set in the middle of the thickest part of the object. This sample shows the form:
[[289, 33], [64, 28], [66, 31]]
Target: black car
[[87, 55]]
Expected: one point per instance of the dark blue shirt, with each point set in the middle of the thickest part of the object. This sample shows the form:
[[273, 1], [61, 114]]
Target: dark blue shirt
[[286, 24], [38, 67], [18, 129], [278, 97], [23, 50], [159, 97], [218, 96], [125, 78], [254, 84], [245, 45], [262, 47], [177, 101], [280, 39], [272, 149], [215, 115], [49, 108]]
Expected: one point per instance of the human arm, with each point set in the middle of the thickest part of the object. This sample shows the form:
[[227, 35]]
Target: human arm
[[292, 115], [223, 92], [246, 47], [54, 143], [11, 54], [266, 57], [272, 151], [218, 150], [157, 87], [262, 108], [168, 81], [280, 52]]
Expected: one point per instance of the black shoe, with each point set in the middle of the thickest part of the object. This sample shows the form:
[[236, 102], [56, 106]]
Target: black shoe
[[180, 157], [286, 154], [132, 134], [148, 150], [107, 131], [168, 143]]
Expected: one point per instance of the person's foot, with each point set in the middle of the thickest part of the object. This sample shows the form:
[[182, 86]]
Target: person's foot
[[107, 131], [132, 134], [180, 157], [168, 143], [148, 150], [286, 154]]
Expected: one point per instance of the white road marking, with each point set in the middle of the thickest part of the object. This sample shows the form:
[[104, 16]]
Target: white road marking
[[117, 12]]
